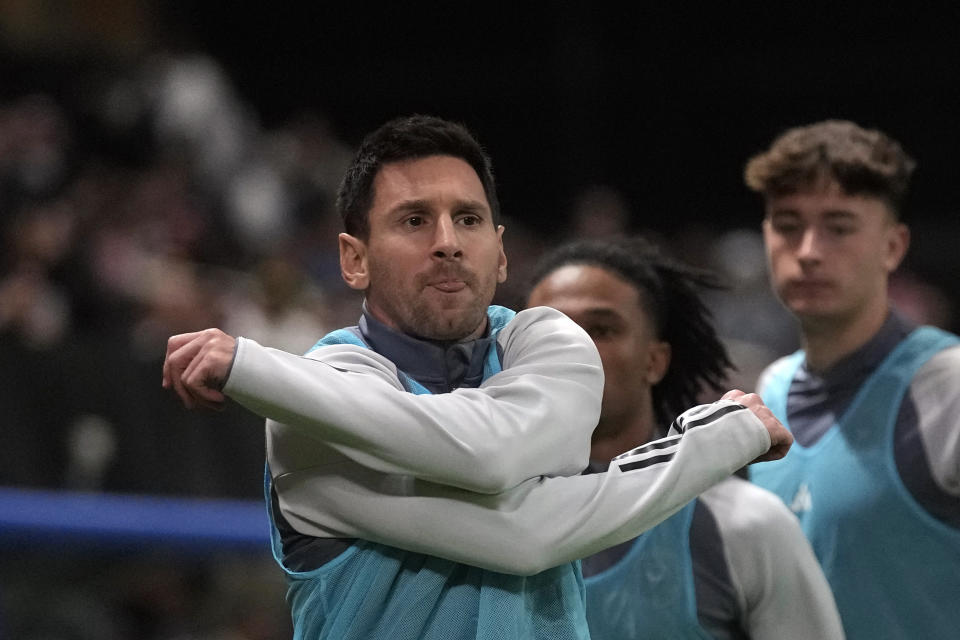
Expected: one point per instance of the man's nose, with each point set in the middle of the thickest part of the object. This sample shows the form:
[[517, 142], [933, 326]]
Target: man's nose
[[810, 246], [446, 241]]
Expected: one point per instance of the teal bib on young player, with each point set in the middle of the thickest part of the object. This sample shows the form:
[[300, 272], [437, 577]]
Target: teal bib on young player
[[650, 592], [375, 592], [894, 569]]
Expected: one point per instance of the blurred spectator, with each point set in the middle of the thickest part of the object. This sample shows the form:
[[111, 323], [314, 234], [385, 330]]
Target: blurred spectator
[[524, 246], [278, 307], [35, 148], [197, 115], [919, 300], [599, 211], [754, 326]]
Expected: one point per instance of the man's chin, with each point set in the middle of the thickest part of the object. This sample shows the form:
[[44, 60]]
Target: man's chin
[[816, 315], [808, 306], [451, 325]]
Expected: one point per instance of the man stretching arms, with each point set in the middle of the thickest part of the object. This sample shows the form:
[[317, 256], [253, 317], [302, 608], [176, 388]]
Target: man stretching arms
[[415, 459]]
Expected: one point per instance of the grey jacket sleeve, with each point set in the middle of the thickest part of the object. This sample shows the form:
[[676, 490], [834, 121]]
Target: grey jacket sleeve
[[540, 523], [779, 585], [534, 418], [935, 392]]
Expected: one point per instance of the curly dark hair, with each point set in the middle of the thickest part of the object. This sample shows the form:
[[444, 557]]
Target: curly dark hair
[[669, 295], [407, 138], [862, 161]]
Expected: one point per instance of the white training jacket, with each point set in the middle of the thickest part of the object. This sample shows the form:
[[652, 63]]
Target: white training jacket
[[484, 476]]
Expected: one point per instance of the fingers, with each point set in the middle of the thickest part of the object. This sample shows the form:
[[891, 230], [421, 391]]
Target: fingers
[[748, 400], [780, 437], [780, 442], [196, 367], [776, 451], [207, 372], [174, 344], [733, 394], [185, 349]]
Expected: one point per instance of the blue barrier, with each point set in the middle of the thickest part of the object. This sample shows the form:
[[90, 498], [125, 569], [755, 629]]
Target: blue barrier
[[33, 516]]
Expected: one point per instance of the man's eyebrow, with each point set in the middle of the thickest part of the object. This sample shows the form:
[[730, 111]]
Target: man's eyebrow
[[600, 313], [835, 214], [783, 212], [409, 205], [832, 214], [473, 206]]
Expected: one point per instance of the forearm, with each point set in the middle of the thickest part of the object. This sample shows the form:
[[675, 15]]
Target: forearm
[[539, 524], [533, 418]]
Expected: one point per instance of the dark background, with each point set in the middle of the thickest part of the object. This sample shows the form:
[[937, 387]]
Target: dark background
[[663, 102]]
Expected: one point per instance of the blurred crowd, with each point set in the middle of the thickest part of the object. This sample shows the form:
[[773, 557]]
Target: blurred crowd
[[90, 593], [161, 208], [153, 204], [158, 204]]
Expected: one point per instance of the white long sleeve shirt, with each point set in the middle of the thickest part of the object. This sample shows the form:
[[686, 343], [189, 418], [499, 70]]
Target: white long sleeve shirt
[[484, 476]]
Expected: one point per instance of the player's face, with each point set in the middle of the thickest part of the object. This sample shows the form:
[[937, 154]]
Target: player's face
[[433, 257], [830, 253], [609, 310]]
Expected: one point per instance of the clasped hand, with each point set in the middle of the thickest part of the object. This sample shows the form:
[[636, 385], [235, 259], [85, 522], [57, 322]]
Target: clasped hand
[[196, 367]]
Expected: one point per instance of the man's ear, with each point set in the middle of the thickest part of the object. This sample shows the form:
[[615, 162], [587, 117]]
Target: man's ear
[[353, 262], [898, 241], [502, 264], [658, 354]]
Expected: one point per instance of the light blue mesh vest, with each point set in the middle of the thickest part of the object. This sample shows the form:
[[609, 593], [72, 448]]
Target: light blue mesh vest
[[375, 592], [893, 568], [650, 592]]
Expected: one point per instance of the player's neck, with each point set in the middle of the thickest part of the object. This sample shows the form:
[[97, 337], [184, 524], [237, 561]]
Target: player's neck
[[827, 341], [615, 436]]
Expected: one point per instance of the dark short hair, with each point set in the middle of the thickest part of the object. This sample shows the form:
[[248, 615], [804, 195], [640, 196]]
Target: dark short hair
[[862, 161], [407, 138], [668, 291]]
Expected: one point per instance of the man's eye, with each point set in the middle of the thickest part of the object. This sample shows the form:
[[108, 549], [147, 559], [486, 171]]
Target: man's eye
[[470, 221], [598, 332], [413, 221], [786, 227], [839, 230]]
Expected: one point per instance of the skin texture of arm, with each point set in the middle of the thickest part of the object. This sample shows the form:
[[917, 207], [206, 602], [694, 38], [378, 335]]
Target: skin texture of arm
[[780, 587], [541, 523], [532, 419]]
